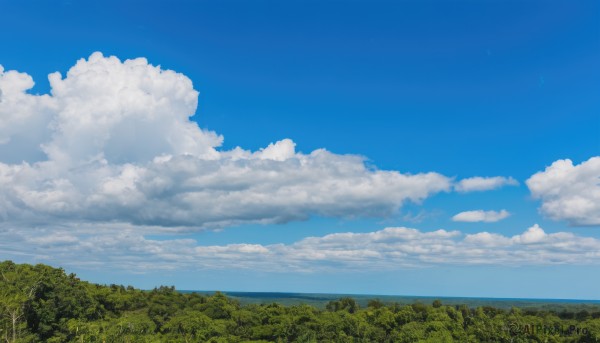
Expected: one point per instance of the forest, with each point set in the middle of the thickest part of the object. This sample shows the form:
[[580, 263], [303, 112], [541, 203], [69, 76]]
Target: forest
[[39, 303]]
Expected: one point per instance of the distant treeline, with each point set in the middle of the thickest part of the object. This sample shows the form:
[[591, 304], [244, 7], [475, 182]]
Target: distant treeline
[[44, 304]]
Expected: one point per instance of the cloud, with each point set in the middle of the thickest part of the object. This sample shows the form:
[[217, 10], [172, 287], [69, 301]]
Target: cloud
[[534, 234], [111, 156], [569, 192], [480, 216], [113, 143], [121, 247], [478, 183]]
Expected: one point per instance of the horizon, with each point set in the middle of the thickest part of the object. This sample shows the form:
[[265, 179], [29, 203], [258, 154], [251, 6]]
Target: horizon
[[445, 148], [591, 301]]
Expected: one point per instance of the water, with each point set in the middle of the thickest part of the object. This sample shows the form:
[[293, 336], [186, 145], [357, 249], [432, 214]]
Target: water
[[321, 299]]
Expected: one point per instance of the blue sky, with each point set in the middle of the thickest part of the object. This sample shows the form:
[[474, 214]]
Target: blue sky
[[461, 89]]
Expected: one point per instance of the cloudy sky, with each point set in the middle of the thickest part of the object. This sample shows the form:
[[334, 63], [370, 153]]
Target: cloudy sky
[[443, 148]]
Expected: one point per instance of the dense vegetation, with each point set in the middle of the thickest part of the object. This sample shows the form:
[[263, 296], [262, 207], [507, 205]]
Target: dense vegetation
[[44, 304]]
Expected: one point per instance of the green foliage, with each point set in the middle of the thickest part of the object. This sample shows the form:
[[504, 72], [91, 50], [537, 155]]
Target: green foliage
[[44, 304]]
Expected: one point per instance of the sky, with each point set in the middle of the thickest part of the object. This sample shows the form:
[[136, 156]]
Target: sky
[[434, 148]]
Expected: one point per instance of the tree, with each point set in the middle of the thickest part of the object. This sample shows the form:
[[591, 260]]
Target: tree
[[17, 287]]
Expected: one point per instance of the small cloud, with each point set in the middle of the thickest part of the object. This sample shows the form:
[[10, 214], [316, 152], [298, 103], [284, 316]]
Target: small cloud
[[569, 192], [420, 216], [478, 183], [480, 216], [534, 234]]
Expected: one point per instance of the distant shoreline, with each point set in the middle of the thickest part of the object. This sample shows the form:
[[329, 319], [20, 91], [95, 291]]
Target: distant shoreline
[[321, 299]]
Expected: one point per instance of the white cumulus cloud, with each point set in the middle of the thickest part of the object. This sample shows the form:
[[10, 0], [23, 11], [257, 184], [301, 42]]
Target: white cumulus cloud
[[114, 246], [478, 183], [480, 216], [113, 143], [569, 192]]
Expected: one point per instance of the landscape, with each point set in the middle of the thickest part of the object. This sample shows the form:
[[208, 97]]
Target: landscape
[[300, 171], [45, 304]]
